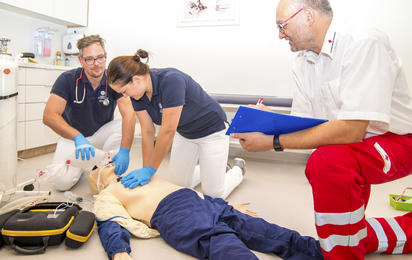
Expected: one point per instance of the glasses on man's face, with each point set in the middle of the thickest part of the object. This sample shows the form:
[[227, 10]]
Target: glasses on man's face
[[91, 61], [281, 26]]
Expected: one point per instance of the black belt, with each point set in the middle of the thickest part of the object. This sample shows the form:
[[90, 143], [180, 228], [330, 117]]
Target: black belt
[[9, 96]]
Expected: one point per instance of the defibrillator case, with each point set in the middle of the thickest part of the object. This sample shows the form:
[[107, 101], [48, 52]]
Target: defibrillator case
[[33, 229]]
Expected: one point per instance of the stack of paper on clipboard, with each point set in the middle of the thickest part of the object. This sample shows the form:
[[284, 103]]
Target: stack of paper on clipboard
[[249, 119]]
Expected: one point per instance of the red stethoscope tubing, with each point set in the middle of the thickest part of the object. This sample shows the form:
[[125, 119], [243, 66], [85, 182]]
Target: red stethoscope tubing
[[84, 87]]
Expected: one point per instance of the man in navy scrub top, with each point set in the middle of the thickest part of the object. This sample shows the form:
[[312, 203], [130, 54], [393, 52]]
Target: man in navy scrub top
[[81, 110]]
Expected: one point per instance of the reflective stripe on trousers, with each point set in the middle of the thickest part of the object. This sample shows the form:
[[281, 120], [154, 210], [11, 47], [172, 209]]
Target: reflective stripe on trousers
[[341, 177]]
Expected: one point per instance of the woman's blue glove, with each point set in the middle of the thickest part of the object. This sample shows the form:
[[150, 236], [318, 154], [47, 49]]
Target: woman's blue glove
[[138, 177], [122, 161], [83, 147]]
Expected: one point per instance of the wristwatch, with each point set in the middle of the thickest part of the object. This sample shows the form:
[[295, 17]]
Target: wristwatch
[[276, 144]]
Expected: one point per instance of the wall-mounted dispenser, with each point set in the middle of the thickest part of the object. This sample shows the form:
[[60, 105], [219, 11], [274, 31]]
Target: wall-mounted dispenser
[[41, 41], [70, 43]]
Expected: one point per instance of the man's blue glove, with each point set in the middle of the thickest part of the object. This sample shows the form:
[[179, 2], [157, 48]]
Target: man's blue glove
[[138, 177], [122, 161], [83, 147]]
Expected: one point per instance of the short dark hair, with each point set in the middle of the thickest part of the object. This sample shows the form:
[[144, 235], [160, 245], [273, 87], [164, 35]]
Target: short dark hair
[[89, 40]]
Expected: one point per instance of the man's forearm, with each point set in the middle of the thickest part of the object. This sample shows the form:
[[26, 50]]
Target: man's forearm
[[60, 127], [329, 133]]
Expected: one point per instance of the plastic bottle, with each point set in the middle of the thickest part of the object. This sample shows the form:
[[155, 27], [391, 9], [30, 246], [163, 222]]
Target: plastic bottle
[[58, 58], [99, 157]]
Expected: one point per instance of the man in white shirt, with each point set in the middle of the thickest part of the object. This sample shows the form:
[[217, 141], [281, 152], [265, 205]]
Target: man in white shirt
[[349, 74]]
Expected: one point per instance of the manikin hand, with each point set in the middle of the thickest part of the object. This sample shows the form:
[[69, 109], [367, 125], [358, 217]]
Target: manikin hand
[[240, 206], [83, 147], [122, 256], [121, 160], [138, 177]]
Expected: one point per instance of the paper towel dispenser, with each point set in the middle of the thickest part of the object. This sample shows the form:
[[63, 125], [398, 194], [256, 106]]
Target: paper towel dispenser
[[70, 43]]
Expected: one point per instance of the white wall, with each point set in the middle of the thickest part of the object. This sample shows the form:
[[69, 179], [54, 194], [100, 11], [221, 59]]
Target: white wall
[[17, 28], [244, 59]]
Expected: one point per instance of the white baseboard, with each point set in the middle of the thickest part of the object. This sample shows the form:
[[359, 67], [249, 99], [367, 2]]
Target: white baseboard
[[235, 150], [290, 156]]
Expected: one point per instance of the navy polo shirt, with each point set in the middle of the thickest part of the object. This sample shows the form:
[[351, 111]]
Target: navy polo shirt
[[201, 115], [90, 115]]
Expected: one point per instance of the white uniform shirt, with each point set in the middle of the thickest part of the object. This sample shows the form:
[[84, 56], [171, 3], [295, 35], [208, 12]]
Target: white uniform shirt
[[357, 76]]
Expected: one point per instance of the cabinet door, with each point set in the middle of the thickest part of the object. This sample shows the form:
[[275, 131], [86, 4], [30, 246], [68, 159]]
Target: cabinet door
[[34, 111], [44, 7], [37, 134], [21, 97], [68, 13], [73, 11], [35, 94], [21, 112], [43, 77], [21, 76]]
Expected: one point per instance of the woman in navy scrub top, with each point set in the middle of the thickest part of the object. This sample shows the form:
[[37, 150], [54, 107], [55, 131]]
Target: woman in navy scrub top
[[188, 117]]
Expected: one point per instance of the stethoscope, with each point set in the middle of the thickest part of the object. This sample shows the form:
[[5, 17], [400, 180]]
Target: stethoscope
[[106, 101]]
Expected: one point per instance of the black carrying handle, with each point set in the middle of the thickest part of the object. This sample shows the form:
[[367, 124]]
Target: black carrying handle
[[26, 251]]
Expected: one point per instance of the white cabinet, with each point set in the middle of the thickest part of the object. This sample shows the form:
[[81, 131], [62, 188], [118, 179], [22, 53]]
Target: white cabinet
[[73, 13], [34, 85], [44, 7]]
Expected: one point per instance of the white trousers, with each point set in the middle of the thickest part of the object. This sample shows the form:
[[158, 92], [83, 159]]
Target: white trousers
[[212, 153], [107, 138]]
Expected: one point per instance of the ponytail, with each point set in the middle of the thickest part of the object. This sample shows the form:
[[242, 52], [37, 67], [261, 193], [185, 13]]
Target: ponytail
[[122, 68]]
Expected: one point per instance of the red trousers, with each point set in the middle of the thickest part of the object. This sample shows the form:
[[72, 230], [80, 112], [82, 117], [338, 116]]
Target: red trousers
[[341, 178]]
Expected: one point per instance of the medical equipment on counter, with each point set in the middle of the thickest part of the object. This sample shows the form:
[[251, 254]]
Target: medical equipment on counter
[[58, 60], [8, 125], [106, 101]]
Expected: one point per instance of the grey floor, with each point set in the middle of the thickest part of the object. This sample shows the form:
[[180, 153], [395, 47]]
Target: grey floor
[[279, 192]]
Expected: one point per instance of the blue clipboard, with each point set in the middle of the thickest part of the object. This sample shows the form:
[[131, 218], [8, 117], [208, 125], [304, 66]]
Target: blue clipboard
[[248, 119]]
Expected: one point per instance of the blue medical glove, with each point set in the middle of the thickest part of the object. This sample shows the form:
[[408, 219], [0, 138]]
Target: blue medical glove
[[138, 177], [83, 147], [122, 161]]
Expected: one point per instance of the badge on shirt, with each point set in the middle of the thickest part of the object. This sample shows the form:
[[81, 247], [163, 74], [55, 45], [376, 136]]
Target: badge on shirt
[[102, 96]]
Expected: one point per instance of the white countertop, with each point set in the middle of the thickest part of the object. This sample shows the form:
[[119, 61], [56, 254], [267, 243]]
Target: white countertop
[[44, 66]]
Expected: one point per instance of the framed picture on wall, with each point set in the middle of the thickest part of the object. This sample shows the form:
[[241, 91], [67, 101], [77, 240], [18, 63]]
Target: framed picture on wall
[[207, 12]]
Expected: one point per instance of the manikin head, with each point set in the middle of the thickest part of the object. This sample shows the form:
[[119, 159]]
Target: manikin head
[[106, 174]]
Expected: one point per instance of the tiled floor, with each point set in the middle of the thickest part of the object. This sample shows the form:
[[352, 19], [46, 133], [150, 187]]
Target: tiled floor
[[279, 192]]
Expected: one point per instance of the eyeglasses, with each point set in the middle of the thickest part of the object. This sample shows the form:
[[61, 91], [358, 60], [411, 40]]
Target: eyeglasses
[[91, 61], [281, 26]]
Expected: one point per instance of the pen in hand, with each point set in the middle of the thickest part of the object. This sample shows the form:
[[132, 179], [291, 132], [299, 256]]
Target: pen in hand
[[260, 101]]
